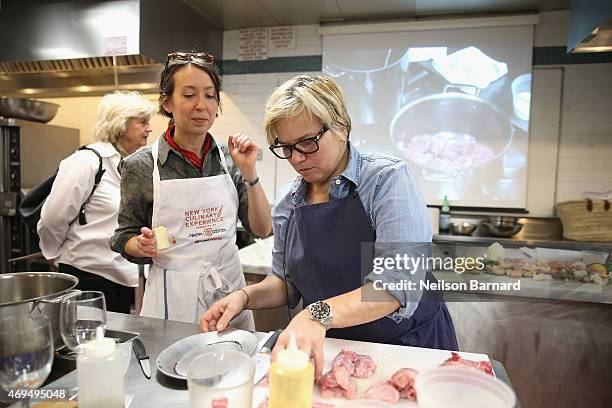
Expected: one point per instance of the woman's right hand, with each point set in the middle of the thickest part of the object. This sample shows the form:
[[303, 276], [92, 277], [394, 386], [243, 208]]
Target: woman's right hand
[[145, 243], [218, 316]]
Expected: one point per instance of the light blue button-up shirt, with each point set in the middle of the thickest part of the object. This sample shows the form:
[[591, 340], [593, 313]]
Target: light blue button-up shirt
[[392, 199]]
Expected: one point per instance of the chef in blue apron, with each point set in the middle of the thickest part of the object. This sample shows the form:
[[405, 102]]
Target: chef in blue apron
[[328, 222]]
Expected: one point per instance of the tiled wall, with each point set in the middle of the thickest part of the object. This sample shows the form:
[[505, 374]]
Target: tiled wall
[[585, 149], [245, 95], [243, 99], [585, 137]]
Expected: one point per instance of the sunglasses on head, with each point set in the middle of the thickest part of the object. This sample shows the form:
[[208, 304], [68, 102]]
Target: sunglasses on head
[[186, 57]]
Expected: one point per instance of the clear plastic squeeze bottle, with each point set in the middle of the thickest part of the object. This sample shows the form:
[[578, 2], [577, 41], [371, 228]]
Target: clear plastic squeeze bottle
[[100, 373]]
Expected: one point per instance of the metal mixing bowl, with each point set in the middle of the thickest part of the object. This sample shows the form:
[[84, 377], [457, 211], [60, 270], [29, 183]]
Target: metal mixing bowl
[[503, 221], [465, 228], [502, 230], [28, 109]]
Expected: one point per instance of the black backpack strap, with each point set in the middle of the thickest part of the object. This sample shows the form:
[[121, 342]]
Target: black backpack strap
[[99, 174]]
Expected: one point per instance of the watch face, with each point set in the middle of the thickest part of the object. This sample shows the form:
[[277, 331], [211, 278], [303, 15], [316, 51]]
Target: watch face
[[320, 310]]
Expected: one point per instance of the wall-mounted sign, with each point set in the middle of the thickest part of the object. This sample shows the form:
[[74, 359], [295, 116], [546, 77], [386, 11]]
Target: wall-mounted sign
[[253, 44], [281, 38]]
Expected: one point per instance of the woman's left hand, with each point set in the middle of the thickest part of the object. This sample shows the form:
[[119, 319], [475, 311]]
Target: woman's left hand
[[243, 151], [309, 337]]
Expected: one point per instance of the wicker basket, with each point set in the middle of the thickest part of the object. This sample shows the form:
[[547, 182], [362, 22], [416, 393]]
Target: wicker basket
[[586, 220]]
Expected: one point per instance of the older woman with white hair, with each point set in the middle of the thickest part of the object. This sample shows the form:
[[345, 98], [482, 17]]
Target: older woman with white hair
[[80, 245]]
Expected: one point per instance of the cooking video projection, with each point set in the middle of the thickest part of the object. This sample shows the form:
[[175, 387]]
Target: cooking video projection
[[453, 103]]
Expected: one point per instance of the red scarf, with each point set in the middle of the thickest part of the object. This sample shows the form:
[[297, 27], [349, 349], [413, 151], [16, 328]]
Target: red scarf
[[189, 155]]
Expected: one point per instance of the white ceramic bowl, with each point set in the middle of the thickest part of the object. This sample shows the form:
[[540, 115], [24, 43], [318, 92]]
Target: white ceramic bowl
[[460, 387]]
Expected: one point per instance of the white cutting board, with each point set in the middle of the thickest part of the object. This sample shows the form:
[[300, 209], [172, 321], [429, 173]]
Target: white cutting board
[[388, 359]]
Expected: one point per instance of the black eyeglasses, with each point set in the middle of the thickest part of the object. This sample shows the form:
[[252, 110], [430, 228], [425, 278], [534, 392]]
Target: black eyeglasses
[[186, 57], [305, 146]]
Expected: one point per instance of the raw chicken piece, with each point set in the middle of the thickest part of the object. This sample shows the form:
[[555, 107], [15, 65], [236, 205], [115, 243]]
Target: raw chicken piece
[[335, 392], [364, 366], [345, 358], [404, 377], [357, 365], [337, 383], [457, 361], [445, 151], [349, 393], [342, 377], [328, 380], [408, 393], [403, 381], [382, 391]]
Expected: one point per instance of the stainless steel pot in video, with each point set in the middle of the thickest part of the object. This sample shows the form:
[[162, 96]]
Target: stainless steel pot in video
[[454, 137], [26, 294], [368, 77]]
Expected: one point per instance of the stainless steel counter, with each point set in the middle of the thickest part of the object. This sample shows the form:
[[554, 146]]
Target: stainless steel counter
[[161, 391]]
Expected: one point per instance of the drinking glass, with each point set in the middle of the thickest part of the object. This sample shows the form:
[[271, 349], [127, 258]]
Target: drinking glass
[[26, 355], [221, 378], [80, 315]]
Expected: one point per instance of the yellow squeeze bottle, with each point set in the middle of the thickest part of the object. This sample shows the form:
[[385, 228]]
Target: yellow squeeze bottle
[[291, 379]]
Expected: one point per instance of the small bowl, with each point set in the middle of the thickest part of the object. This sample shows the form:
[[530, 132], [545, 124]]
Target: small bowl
[[465, 228], [504, 231], [462, 387]]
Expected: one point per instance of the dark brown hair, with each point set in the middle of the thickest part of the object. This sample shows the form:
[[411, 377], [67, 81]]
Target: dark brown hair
[[175, 62]]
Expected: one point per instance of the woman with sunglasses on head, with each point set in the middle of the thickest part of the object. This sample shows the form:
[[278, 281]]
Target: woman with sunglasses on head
[[340, 199], [195, 189]]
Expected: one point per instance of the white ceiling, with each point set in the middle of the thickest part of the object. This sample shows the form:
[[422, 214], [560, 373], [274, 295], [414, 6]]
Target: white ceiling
[[234, 14]]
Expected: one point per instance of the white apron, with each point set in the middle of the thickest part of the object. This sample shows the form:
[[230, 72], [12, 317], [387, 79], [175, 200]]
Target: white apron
[[202, 266]]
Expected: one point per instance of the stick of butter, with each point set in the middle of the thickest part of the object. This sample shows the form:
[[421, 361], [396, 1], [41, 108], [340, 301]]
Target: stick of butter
[[161, 237]]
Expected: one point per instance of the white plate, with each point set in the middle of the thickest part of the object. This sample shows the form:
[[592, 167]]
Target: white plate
[[174, 360]]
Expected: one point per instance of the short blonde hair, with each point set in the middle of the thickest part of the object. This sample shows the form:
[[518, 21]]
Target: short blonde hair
[[318, 95], [114, 112]]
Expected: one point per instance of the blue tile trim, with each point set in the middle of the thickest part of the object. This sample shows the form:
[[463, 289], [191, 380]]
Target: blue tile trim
[[559, 56], [278, 64], [314, 63]]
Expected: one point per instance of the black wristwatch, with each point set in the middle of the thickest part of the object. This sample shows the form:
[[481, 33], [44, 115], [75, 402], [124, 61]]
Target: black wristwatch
[[322, 313]]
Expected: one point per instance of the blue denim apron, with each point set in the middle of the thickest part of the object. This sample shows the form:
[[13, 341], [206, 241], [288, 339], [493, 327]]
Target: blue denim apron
[[323, 259]]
